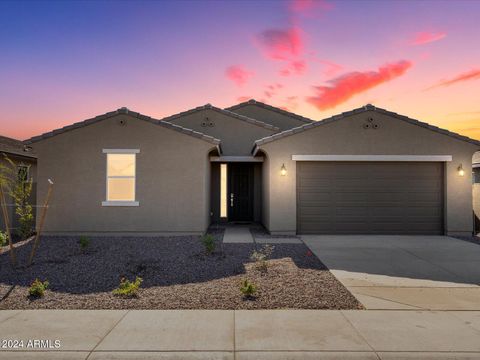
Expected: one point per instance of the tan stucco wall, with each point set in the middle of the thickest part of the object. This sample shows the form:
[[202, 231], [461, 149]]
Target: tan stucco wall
[[282, 121], [237, 136], [172, 183], [347, 137]]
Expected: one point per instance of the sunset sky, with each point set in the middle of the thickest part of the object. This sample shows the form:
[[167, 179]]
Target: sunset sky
[[62, 62]]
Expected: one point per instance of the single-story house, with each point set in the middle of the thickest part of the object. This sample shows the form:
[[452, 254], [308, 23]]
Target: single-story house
[[366, 171], [26, 162], [476, 190]]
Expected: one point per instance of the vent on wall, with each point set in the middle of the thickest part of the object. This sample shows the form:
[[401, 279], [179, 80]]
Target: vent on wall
[[122, 122], [370, 124], [207, 122]]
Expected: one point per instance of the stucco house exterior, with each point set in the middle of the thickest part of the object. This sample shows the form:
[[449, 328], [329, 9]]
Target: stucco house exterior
[[366, 171]]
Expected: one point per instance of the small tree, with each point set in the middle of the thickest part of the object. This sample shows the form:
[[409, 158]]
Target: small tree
[[19, 187]]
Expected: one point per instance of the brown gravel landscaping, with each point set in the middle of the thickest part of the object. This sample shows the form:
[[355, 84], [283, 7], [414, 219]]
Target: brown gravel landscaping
[[176, 272]]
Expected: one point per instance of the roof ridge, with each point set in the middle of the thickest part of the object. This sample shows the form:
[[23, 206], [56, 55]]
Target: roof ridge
[[270, 107], [126, 111], [368, 107], [222, 111]]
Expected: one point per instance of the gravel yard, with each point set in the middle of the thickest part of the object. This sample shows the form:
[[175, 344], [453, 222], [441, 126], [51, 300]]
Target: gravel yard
[[176, 272]]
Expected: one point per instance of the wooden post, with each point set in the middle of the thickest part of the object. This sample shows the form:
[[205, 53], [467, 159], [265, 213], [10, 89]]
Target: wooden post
[[42, 221], [13, 257]]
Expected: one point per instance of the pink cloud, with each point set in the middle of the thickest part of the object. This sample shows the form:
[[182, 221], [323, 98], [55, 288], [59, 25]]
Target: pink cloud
[[427, 37], [268, 94], [469, 75], [238, 74], [281, 44], [243, 98], [295, 67], [346, 86], [331, 68], [308, 6], [275, 86]]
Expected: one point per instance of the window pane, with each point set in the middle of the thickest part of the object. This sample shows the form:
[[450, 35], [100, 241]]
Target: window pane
[[223, 190], [121, 164], [121, 189], [476, 176]]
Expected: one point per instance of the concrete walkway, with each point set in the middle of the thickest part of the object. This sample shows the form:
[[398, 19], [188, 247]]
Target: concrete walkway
[[228, 335], [403, 272], [237, 234]]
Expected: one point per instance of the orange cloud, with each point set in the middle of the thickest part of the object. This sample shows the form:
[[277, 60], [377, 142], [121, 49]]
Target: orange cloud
[[427, 37], [346, 86], [470, 75], [238, 74], [281, 44]]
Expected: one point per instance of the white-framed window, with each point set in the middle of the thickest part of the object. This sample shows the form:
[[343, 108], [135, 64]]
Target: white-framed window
[[121, 177]]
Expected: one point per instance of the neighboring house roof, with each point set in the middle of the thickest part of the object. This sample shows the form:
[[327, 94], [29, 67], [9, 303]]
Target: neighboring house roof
[[271, 108], [126, 111], [221, 111], [15, 147], [368, 107]]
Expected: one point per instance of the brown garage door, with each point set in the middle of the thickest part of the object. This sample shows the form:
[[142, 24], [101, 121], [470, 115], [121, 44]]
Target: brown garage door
[[370, 198]]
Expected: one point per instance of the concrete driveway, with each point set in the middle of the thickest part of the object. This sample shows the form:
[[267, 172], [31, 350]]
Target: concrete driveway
[[404, 272]]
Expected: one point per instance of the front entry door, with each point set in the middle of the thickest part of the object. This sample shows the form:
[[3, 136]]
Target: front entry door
[[240, 192]]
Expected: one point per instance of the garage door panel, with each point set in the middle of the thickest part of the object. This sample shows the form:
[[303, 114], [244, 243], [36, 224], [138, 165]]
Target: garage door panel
[[365, 197]]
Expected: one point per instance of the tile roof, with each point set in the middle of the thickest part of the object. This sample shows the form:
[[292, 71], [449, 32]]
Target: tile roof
[[368, 107], [270, 107], [15, 147], [221, 111], [127, 112]]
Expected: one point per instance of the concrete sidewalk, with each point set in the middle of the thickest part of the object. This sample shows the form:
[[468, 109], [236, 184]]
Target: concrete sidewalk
[[244, 335]]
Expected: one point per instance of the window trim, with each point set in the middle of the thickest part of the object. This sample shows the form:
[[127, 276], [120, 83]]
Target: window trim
[[120, 202]]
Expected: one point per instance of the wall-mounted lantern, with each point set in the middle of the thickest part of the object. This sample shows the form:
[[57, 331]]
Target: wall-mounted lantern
[[460, 170], [283, 170]]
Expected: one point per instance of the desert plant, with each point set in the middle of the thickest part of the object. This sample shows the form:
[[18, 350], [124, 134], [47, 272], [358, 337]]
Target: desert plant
[[3, 238], [127, 288], [37, 288], [84, 242], [15, 180], [209, 242], [261, 256], [248, 288]]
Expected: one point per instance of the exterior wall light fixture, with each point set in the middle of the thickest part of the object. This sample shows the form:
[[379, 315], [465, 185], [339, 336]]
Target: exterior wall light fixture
[[460, 170], [283, 170]]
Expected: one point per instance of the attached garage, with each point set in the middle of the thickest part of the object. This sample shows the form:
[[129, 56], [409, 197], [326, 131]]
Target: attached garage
[[370, 197]]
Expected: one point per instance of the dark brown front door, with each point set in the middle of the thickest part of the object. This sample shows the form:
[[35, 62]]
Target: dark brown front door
[[240, 192]]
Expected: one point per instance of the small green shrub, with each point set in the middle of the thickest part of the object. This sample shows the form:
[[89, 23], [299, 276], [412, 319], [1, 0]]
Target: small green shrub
[[37, 288], [248, 288], [84, 242], [209, 242], [3, 238], [261, 256], [127, 288]]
